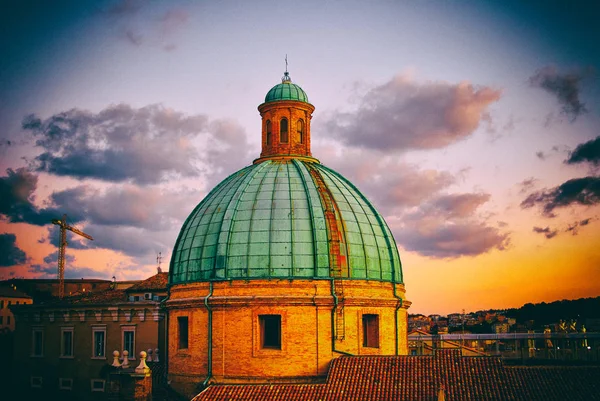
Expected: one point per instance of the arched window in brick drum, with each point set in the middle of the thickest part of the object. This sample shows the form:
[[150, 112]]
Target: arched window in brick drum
[[300, 127], [283, 130], [268, 132]]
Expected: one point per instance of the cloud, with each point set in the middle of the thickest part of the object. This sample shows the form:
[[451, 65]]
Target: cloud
[[582, 191], [10, 253], [565, 86], [574, 227], [49, 269], [53, 258], [139, 23], [548, 233], [447, 227], [17, 197], [126, 7], [120, 143], [388, 182], [540, 155], [127, 205], [135, 38], [586, 152], [423, 218], [132, 241], [402, 114], [527, 184], [460, 205]]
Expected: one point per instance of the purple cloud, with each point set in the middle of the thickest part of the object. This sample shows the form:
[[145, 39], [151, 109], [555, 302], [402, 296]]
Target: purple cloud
[[402, 114]]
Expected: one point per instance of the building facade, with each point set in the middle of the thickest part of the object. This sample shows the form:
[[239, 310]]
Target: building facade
[[283, 267], [64, 347]]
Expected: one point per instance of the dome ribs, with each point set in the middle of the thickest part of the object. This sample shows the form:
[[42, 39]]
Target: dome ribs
[[224, 239], [285, 218]]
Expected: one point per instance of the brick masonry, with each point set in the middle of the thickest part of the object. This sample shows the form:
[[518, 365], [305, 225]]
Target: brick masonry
[[293, 111], [305, 307]]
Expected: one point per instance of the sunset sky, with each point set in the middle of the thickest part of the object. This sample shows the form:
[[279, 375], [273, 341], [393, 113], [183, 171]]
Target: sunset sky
[[473, 127]]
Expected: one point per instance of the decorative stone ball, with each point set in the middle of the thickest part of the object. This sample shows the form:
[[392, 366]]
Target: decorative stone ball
[[143, 355], [125, 353], [116, 354]]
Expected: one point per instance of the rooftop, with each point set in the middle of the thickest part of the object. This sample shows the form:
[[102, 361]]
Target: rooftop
[[422, 377], [157, 282], [10, 292], [286, 90]]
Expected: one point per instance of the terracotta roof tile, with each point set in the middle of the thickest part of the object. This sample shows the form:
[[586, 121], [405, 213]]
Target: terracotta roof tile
[[157, 282], [413, 378]]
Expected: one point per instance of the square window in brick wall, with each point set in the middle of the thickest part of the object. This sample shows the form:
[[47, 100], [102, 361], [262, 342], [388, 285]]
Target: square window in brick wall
[[270, 331]]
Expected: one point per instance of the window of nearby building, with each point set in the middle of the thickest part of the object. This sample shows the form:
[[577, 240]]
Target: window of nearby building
[[2, 304], [370, 330], [128, 337], [300, 127], [37, 342], [270, 331], [17, 302], [99, 341], [66, 342], [1, 319], [36, 382], [65, 384], [182, 323], [9, 303], [98, 385], [7, 319], [269, 132], [148, 295], [283, 130]]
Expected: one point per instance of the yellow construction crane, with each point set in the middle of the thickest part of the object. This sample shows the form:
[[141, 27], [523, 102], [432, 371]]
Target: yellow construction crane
[[61, 250]]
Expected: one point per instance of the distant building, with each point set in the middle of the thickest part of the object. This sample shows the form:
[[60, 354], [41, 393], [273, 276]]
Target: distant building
[[45, 289], [10, 296], [500, 327], [422, 343], [64, 347]]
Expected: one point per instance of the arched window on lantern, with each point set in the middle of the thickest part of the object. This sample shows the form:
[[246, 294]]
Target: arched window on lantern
[[283, 130], [268, 132], [300, 129]]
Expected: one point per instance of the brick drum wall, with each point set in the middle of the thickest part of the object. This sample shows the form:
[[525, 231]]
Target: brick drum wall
[[305, 307]]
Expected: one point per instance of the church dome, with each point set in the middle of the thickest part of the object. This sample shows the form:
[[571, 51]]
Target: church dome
[[286, 90], [285, 218]]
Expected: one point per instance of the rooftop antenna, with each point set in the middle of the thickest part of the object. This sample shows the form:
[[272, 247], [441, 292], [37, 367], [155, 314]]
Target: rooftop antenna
[[286, 75], [158, 262]]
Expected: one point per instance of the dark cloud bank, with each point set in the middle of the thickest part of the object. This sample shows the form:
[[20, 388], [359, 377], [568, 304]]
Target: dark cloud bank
[[577, 191], [588, 152], [10, 253]]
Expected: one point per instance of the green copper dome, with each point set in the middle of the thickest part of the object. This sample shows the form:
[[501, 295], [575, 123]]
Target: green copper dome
[[286, 90], [291, 218]]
